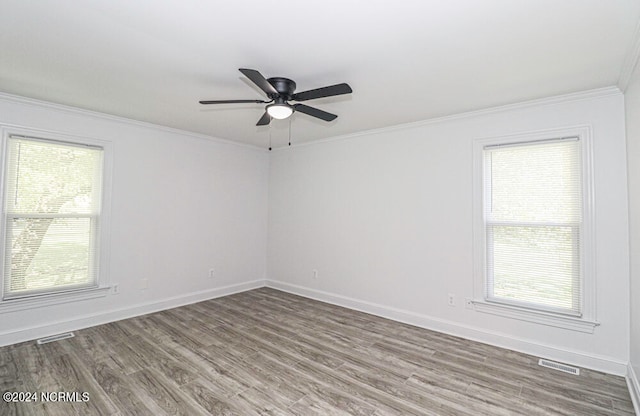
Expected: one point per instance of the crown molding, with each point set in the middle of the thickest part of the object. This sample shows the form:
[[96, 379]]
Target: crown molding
[[556, 99], [630, 61], [123, 120]]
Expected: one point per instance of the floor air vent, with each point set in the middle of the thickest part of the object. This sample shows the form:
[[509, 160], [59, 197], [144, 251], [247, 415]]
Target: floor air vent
[[52, 338], [560, 367]]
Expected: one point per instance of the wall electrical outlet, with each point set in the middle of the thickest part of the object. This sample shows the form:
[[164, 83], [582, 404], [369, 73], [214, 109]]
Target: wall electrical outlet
[[451, 299], [212, 273], [315, 273], [115, 289]]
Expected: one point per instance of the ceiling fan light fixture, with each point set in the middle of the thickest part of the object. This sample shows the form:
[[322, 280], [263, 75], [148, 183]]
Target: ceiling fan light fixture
[[279, 111]]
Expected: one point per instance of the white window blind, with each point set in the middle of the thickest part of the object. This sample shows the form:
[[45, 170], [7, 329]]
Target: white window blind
[[51, 215], [533, 222]]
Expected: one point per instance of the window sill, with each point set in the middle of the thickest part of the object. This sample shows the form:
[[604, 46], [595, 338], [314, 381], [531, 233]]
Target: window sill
[[543, 318], [12, 305]]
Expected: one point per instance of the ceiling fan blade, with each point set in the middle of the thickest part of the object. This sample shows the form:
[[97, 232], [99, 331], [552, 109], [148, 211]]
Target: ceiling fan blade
[[329, 91], [232, 101], [257, 78], [312, 111], [264, 120]]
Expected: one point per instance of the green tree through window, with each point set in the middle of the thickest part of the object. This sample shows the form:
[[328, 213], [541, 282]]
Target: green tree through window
[[52, 209], [533, 220]]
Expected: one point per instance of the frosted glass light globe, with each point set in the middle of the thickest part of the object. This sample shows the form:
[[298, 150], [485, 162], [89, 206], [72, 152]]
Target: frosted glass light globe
[[279, 111]]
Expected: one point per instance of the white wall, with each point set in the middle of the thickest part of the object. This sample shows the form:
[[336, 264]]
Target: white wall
[[632, 106], [181, 204], [386, 219]]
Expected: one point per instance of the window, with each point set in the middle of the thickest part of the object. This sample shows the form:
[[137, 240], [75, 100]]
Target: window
[[535, 227], [52, 217]]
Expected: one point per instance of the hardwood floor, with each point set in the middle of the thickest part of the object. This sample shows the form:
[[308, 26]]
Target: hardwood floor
[[265, 352]]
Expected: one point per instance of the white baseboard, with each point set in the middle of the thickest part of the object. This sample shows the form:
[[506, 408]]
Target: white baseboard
[[604, 364], [89, 320], [577, 358], [634, 388]]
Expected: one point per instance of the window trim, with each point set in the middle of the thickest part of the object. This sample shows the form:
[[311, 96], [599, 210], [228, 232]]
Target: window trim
[[102, 286], [587, 321]]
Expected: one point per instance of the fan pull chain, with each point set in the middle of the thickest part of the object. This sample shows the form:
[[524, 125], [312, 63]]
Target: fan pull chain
[[269, 138], [289, 131]]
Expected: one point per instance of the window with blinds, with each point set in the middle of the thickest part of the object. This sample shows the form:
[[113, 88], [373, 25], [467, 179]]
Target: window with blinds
[[52, 210], [533, 221]]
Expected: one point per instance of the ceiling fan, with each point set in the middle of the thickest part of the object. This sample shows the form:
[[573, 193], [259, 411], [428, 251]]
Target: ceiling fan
[[280, 91]]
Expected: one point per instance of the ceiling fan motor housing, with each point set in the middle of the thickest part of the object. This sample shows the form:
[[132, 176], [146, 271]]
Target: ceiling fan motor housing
[[284, 86]]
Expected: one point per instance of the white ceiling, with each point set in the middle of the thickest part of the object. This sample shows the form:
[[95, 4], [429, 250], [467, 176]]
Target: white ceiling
[[152, 60]]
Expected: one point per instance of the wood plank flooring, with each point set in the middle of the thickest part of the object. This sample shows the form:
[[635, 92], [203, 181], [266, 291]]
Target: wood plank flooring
[[266, 352]]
